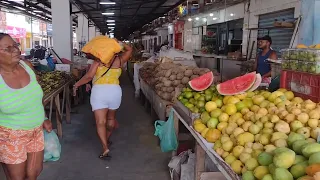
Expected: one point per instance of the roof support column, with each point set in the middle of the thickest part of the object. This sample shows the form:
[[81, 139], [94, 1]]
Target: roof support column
[[62, 28], [92, 32], [82, 30]]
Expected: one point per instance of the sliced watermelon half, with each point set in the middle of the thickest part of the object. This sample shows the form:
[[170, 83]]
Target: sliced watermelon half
[[203, 82], [256, 83], [237, 85]]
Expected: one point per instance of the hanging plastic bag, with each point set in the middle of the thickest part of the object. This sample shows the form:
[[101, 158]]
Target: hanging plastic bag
[[52, 147], [166, 133]]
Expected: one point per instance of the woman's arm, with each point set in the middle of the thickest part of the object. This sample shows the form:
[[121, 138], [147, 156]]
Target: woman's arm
[[89, 75], [127, 54]]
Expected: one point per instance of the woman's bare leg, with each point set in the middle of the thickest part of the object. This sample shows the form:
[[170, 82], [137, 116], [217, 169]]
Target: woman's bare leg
[[111, 122], [15, 171], [34, 165], [101, 123]]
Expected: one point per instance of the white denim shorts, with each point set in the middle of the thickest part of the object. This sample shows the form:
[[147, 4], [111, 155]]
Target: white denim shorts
[[105, 96]]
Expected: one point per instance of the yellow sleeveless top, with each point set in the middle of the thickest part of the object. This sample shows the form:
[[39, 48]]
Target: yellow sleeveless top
[[112, 76]]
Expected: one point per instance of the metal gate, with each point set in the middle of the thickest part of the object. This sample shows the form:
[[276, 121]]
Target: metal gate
[[281, 37]]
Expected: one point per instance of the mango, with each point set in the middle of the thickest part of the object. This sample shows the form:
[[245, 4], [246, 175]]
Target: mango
[[314, 158], [284, 158], [282, 174], [309, 149]]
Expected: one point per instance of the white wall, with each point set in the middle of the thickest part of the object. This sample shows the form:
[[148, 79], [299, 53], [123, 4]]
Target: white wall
[[259, 7], [163, 32]]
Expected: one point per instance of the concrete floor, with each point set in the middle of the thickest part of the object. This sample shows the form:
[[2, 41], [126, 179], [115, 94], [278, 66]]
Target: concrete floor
[[135, 151]]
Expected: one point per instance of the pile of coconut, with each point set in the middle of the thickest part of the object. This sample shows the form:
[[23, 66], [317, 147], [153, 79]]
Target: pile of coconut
[[146, 72], [169, 76]]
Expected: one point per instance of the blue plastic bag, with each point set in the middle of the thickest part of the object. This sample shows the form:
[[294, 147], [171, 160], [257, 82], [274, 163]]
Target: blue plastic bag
[[52, 147], [166, 133]]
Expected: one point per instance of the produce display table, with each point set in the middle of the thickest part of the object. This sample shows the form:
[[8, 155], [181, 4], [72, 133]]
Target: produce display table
[[201, 149], [160, 106], [54, 98]]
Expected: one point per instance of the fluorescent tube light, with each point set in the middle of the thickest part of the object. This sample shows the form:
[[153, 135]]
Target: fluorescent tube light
[[111, 24], [108, 13], [111, 21], [107, 3]]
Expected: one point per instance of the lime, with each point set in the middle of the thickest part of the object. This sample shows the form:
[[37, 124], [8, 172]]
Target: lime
[[183, 101], [213, 88], [180, 97], [200, 104], [202, 98], [189, 105], [208, 97], [192, 101], [208, 91], [196, 96], [195, 110], [188, 95], [201, 110]]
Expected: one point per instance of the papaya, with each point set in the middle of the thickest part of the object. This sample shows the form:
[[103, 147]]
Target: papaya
[[302, 46], [313, 169]]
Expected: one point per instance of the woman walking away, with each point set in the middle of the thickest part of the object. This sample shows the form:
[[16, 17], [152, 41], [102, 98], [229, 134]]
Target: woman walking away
[[106, 93], [22, 116]]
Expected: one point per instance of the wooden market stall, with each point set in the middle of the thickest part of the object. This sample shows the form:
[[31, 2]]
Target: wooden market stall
[[202, 149], [61, 108]]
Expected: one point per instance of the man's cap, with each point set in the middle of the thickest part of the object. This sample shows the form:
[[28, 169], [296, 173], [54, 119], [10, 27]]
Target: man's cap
[[267, 38]]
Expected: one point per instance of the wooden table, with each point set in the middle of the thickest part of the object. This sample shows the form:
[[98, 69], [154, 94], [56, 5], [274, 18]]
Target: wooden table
[[54, 98], [201, 150]]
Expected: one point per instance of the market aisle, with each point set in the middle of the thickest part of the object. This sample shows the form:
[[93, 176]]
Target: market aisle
[[135, 153]]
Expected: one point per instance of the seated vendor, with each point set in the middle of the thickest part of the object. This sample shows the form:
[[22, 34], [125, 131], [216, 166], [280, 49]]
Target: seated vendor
[[261, 66]]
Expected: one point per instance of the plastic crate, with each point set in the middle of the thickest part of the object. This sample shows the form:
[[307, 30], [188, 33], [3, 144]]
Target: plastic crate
[[304, 85]]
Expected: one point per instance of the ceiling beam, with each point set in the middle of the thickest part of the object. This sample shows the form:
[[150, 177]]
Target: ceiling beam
[[79, 3], [25, 13], [116, 8]]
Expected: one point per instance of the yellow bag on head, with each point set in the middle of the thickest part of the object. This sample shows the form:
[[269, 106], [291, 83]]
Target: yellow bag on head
[[103, 48]]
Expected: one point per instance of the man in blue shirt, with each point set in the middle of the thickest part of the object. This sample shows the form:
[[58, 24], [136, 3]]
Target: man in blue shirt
[[261, 66]]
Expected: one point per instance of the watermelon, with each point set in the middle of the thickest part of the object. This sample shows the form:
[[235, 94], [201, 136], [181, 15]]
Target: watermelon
[[256, 83], [237, 85], [202, 83]]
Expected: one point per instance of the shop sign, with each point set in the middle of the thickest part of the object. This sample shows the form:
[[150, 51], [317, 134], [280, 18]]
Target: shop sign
[[16, 32], [3, 21], [178, 27]]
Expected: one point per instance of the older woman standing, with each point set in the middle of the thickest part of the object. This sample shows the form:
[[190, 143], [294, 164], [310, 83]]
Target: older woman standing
[[22, 116]]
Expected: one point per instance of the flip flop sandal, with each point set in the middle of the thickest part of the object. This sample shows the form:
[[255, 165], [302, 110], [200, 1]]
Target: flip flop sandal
[[105, 156]]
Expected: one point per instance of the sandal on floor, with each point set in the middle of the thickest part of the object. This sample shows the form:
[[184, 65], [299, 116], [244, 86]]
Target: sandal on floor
[[105, 155]]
